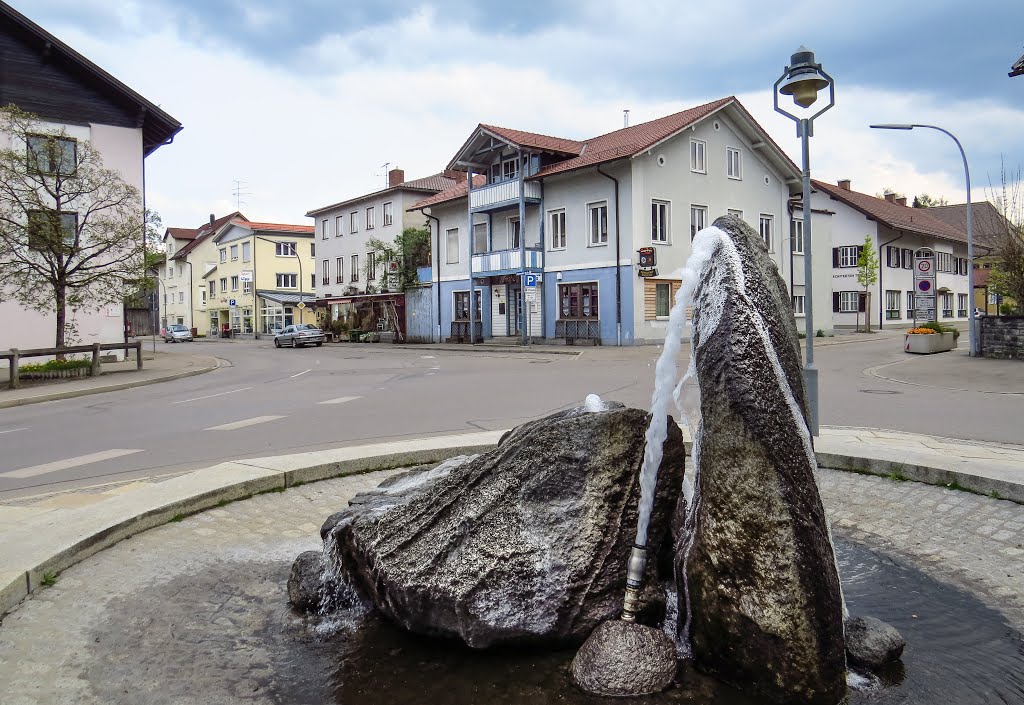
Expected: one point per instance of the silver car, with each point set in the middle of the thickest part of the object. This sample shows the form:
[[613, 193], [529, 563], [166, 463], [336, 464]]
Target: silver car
[[299, 336], [177, 333]]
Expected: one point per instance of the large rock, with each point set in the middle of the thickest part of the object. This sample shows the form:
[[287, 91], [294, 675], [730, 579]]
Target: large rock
[[872, 643], [764, 595], [526, 543], [305, 581], [624, 658]]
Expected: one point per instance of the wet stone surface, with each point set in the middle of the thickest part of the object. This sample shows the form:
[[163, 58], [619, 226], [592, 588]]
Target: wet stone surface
[[196, 612]]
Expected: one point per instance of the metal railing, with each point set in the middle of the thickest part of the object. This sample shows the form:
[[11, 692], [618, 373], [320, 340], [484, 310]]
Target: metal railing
[[15, 355], [506, 260], [502, 192], [573, 329], [460, 331]]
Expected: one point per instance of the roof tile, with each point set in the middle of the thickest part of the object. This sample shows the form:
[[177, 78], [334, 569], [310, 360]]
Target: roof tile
[[916, 220]]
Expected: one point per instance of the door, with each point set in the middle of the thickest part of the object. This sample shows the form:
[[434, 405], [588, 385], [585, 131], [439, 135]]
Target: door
[[515, 294], [499, 310]]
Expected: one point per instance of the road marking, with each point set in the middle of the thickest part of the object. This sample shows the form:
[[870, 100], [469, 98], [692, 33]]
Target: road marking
[[12, 430], [426, 357], [70, 462], [211, 396], [340, 400], [243, 423], [301, 373]]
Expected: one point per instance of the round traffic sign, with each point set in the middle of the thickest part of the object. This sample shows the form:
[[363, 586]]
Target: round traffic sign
[[924, 285], [924, 265]]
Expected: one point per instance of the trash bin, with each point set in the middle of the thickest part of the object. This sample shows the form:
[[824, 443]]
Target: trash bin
[[353, 335], [194, 332]]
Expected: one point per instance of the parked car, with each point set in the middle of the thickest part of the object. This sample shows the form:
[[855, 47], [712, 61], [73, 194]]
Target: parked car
[[177, 333], [979, 312], [299, 336]]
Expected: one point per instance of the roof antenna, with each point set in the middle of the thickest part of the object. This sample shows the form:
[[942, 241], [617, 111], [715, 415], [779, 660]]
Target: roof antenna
[[386, 177], [238, 191], [625, 117]]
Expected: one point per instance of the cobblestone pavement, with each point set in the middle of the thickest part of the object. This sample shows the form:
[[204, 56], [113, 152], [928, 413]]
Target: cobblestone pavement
[[157, 618]]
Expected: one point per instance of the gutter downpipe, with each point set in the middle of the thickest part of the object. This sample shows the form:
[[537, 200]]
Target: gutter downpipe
[[256, 313], [881, 289], [469, 237], [437, 270], [618, 268]]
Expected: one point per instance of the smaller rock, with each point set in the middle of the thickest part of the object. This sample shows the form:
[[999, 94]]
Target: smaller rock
[[872, 643], [625, 658], [304, 581]]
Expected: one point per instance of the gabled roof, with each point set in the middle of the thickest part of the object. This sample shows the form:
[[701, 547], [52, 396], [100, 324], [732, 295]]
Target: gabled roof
[[158, 127], [182, 233], [208, 229], [430, 184], [988, 225], [278, 227], [533, 140], [916, 220], [451, 194], [1018, 68]]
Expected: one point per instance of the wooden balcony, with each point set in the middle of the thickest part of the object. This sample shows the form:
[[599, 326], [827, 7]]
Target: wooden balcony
[[503, 195], [507, 262]]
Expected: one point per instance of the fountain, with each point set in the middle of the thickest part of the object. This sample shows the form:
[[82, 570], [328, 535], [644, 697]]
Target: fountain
[[530, 543]]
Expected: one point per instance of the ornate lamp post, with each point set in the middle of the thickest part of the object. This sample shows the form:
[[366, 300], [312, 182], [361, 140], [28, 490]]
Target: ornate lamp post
[[803, 79]]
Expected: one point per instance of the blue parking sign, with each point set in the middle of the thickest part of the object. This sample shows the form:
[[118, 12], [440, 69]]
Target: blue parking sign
[[530, 280]]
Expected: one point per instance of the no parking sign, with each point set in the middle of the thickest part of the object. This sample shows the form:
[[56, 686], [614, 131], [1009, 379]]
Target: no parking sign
[[924, 284]]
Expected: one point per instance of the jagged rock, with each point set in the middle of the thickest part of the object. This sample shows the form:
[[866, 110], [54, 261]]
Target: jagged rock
[[872, 643], [304, 581], [621, 659], [766, 607], [526, 543]]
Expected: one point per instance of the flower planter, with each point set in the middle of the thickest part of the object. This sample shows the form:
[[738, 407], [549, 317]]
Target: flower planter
[[55, 374], [924, 344]]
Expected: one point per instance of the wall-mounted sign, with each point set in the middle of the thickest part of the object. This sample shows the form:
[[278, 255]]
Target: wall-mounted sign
[[245, 276], [648, 258], [531, 280], [645, 273]]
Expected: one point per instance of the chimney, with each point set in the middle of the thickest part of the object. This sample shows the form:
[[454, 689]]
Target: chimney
[[625, 117], [395, 177], [212, 219], [844, 184], [890, 197], [901, 201], [458, 176]]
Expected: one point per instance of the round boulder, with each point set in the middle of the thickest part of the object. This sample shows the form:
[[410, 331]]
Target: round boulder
[[624, 658], [305, 581], [872, 643]]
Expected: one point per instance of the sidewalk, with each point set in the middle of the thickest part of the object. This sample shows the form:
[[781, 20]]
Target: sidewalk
[[46, 534], [158, 367]]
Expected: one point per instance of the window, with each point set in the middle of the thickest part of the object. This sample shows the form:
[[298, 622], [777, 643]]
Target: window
[[179, 270], [354, 269], [246, 251], [338, 225], [312, 249], [370, 218], [181, 297], [514, 233], [597, 217], [312, 280], [326, 273], [287, 281], [578, 300], [203, 292], [460, 302], [353, 222], [246, 287], [170, 272], [339, 270], [223, 254], [284, 249], [223, 284], [962, 265], [509, 169], [943, 262], [452, 246], [846, 256], [798, 305], [733, 163], [389, 213], [849, 301], [658, 298], [234, 283], [735, 212], [947, 304], [51, 155], [371, 266], [557, 219], [766, 224], [961, 305], [659, 221], [662, 299], [698, 149], [892, 305], [698, 220], [796, 237], [234, 253], [213, 288], [324, 228], [907, 259], [893, 257], [480, 237], [910, 304]]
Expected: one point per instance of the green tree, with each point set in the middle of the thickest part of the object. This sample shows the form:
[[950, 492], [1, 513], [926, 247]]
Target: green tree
[[410, 250], [926, 201], [71, 231], [867, 275], [1007, 273]]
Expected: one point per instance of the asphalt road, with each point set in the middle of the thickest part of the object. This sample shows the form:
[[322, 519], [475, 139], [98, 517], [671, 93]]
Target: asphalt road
[[272, 402]]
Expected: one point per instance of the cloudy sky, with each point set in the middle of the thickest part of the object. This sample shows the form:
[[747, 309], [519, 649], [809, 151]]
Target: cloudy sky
[[306, 100]]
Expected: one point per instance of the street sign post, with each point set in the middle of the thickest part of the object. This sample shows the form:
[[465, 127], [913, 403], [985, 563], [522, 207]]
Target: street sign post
[[924, 285], [531, 280]]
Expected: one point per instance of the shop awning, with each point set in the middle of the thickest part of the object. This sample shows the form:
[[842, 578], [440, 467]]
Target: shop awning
[[288, 298]]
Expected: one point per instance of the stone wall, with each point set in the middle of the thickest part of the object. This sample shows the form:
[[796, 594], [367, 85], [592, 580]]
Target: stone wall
[[1002, 337]]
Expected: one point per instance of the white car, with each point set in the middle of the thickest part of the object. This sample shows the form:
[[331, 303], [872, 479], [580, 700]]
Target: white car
[[177, 333]]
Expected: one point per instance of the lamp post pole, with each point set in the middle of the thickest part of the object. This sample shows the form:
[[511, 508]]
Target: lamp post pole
[[971, 318], [803, 79]]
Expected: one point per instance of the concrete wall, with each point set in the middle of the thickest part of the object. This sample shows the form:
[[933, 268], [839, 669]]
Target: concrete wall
[[1002, 337]]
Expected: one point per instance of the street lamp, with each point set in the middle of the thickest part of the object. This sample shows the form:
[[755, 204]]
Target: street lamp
[[972, 320], [802, 80]]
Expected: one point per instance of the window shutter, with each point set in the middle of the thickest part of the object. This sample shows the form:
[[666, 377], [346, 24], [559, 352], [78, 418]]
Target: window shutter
[[862, 302], [835, 299], [650, 300], [835, 259], [860, 249]]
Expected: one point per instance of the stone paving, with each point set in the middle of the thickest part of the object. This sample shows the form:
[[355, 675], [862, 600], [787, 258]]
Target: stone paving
[[190, 612]]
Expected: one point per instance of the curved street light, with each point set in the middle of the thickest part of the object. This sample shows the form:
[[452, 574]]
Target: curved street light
[[971, 318], [803, 79]]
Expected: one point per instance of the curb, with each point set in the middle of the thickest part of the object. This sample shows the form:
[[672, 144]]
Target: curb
[[56, 541], [71, 394]]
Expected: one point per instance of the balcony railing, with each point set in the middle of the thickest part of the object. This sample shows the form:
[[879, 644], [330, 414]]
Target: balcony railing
[[506, 261], [501, 193]]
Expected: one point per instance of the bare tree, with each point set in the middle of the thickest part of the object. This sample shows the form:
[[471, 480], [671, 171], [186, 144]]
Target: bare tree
[[71, 231], [1007, 277]]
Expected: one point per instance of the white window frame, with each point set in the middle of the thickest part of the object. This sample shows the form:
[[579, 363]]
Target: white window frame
[[961, 305], [479, 228], [698, 219], [515, 231], [799, 302], [698, 156], [371, 218], [371, 266], [944, 262], [845, 252], [735, 211], [911, 304], [223, 284], [734, 171], [246, 251], [388, 210], [556, 220], [510, 174], [285, 249], [203, 292], [223, 254], [849, 301], [234, 253], [234, 282], [796, 237], [325, 229], [326, 273], [339, 225], [661, 221], [893, 296], [597, 238], [246, 287], [353, 274], [286, 280], [658, 287], [181, 297], [767, 234], [451, 236], [353, 222]]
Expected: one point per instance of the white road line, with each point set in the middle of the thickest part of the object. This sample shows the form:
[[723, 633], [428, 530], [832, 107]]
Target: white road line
[[243, 423], [301, 373], [70, 463], [211, 396], [340, 400], [12, 430]]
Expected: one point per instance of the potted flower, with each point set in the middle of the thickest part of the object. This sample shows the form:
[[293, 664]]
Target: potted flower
[[930, 338]]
